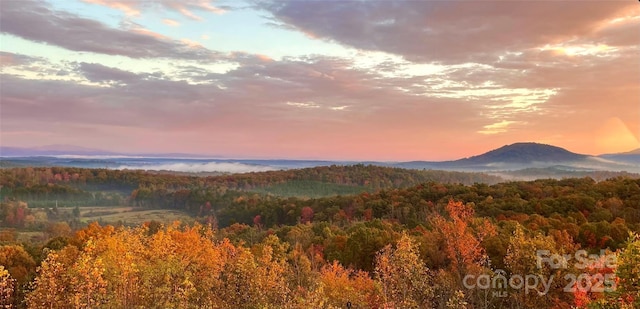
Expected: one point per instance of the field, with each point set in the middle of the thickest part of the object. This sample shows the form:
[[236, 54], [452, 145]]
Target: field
[[130, 215], [113, 215]]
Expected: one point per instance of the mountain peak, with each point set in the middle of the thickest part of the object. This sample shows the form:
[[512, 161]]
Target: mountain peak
[[524, 152]]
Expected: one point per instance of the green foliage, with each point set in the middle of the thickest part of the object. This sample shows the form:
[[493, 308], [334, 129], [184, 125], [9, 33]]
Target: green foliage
[[628, 271]]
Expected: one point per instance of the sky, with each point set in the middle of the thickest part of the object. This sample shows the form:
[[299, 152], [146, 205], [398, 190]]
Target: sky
[[340, 80]]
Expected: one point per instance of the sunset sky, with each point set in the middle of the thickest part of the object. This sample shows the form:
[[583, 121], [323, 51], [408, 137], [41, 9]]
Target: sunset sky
[[357, 80]]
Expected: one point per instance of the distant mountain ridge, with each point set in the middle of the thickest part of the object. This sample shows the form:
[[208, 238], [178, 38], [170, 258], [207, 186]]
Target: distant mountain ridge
[[632, 152], [517, 156], [629, 157], [527, 155], [522, 153]]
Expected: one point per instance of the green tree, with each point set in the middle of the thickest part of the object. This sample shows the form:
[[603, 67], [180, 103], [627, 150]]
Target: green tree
[[628, 272]]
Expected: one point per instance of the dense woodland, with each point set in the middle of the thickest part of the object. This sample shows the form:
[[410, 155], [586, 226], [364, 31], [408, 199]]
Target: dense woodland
[[370, 236]]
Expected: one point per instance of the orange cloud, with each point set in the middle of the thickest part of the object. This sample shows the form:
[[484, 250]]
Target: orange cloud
[[150, 33], [128, 7], [264, 58], [170, 22]]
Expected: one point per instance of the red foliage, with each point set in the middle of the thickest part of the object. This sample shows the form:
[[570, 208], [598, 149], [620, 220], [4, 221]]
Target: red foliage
[[257, 221], [368, 214], [306, 214]]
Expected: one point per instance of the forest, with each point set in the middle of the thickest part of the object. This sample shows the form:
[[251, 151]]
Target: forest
[[325, 237]]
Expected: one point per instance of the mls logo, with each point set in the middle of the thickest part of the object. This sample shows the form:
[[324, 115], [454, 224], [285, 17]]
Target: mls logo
[[500, 294]]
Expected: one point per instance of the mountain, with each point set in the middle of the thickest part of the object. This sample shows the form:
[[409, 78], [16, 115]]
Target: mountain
[[523, 153], [630, 157], [529, 156], [532, 156], [628, 153], [632, 152]]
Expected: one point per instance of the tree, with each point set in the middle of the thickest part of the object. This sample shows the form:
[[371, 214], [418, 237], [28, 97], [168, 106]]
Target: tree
[[51, 288], [463, 238], [58, 229], [404, 278], [17, 262], [7, 287], [339, 286], [306, 214], [523, 254], [86, 277], [628, 273], [456, 301]]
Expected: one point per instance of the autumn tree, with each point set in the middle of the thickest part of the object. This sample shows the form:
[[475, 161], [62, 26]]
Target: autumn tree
[[52, 287], [628, 273], [7, 288], [306, 214], [463, 235], [17, 261], [404, 278], [341, 285], [86, 278], [526, 254]]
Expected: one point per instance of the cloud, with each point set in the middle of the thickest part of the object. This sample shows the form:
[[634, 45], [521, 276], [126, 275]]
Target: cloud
[[100, 73], [303, 105], [521, 64], [128, 7], [37, 21], [184, 7], [8, 59], [530, 68], [444, 31], [243, 110], [497, 127]]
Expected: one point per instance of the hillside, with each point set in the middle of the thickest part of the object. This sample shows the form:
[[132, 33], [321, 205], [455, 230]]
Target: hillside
[[629, 157], [510, 157], [523, 153]]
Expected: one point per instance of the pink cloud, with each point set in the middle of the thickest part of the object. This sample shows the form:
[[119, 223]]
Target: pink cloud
[[184, 7]]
